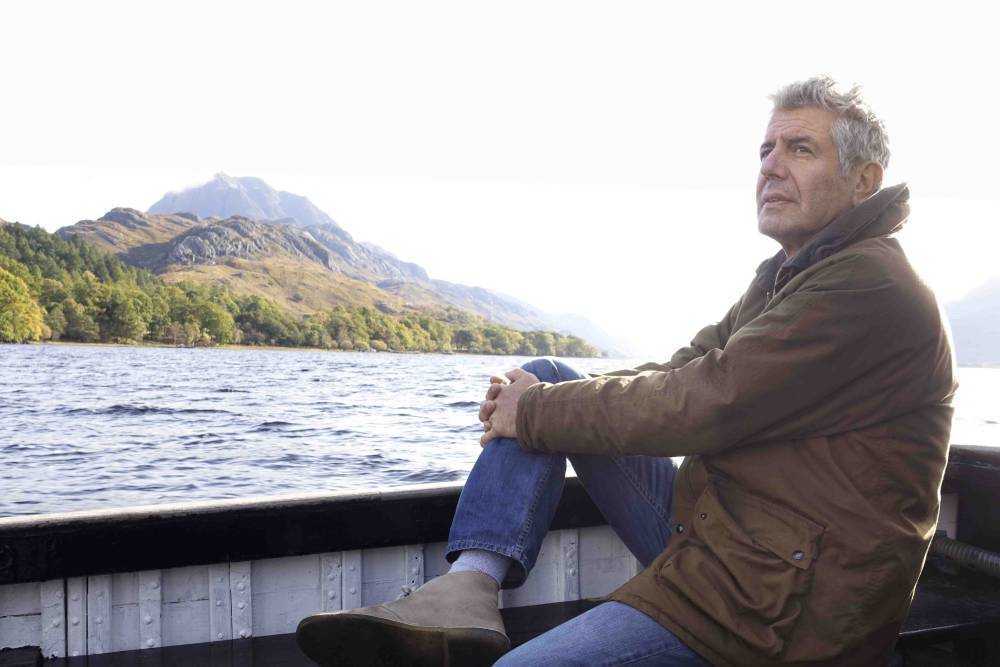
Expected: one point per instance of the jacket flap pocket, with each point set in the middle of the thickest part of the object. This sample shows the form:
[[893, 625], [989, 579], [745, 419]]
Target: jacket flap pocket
[[785, 533]]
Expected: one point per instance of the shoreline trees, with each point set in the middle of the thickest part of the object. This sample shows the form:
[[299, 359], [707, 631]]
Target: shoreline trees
[[57, 289]]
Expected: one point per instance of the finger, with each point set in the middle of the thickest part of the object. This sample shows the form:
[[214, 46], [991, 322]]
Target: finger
[[496, 379], [516, 374], [486, 409], [487, 437], [493, 391]]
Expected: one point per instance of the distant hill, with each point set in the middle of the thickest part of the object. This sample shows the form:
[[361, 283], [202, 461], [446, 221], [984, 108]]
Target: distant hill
[[975, 325], [243, 233]]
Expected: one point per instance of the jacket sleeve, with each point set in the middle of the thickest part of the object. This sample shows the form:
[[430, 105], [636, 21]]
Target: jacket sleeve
[[822, 360], [711, 337]]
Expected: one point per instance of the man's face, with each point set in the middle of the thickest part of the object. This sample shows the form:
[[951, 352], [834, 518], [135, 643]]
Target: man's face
[[800, 188]]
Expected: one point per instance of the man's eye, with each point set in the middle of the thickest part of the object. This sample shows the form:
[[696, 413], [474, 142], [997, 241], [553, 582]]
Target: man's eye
[[802, 150]]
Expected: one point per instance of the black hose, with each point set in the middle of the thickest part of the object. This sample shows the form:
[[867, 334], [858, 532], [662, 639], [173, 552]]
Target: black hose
[[985, 561]]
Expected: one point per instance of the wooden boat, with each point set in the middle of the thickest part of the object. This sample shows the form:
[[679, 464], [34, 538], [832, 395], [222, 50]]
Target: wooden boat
[[226, 582]]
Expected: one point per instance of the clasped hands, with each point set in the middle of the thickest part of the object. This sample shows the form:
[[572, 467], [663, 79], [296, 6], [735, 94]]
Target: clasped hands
[[498, 412]]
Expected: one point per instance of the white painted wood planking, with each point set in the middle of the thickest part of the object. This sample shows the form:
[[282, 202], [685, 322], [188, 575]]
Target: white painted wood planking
[[20, 615], [220, 603], [285, 590], [99, 614], [184, 616], [278, 592], [150, 594], [413, 564], [53, 618], [383, 574], [241, 594], [331, 581], [568, 570], [352, 571], [76, 616]]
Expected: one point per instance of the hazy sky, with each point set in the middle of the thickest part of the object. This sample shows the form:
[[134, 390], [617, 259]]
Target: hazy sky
[[597, 158]]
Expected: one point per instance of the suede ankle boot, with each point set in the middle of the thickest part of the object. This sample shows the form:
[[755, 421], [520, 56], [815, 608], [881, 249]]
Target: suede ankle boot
[[452, 619]]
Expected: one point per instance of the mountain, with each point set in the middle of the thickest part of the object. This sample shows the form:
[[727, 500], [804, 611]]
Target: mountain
[[249, 197], [975, 326], [243, 233]]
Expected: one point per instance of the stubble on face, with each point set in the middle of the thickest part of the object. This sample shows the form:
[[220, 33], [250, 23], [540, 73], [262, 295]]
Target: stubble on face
[[800, 188]]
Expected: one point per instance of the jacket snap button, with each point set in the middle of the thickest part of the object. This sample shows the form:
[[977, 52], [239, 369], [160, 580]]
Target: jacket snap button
[[680, 528], [798, 555], [703, 515]]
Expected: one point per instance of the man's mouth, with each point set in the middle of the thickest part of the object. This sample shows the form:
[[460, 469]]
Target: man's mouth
[[775, 200]]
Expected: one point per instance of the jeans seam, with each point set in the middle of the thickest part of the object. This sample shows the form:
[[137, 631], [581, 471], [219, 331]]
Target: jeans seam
[[671, 650], [657, 507], [536, 496]]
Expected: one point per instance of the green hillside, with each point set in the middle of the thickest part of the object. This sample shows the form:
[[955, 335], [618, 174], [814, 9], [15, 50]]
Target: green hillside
[[53, 288]]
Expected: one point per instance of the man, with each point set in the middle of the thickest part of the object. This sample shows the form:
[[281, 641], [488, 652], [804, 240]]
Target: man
[[814, 420]]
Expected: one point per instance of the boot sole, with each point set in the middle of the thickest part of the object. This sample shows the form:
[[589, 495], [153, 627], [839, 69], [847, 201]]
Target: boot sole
[[360, 639]]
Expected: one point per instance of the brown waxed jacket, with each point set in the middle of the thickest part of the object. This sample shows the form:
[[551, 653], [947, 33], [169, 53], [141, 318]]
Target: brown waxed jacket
[[815, 420]]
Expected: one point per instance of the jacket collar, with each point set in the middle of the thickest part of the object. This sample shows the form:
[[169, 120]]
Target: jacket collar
[[884, 213]]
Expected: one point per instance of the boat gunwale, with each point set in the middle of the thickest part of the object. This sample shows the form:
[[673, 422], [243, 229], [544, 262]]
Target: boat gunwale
[[60, 545]]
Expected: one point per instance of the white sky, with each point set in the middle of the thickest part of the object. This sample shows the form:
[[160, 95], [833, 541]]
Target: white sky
[[597, 158]]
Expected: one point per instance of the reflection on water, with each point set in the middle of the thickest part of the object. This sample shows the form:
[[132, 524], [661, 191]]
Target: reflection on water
[[86, 427]]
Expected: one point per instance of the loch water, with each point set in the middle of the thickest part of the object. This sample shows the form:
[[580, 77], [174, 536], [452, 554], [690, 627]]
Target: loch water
[[96, 427]]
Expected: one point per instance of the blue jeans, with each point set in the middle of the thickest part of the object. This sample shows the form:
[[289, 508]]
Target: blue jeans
[[507, 505]]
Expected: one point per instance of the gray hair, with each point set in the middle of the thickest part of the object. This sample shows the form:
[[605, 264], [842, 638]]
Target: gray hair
[[857, 132]]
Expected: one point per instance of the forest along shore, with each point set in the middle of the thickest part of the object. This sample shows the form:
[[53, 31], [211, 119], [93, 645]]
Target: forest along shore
[[57, 289]]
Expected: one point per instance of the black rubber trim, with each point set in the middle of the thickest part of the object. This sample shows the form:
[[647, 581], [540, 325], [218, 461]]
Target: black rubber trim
[[56, 546]]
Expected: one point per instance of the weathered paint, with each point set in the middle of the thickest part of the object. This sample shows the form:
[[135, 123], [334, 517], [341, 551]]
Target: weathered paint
[[196, 604], [76, 616], [331, 581], [150, 602], [351, 594], [99, 614], [242, 599], [53, 618]]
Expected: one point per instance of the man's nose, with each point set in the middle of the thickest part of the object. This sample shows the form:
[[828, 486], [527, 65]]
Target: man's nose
[[773, 165]]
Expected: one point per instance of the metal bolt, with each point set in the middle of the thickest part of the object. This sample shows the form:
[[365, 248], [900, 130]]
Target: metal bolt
[[703, 515], [75, 596], [150, 642], [244, 633], [218, 603], [99, 620], [798, 555], [680, 528], [148, 619], [156, 584], [332, 595], [241, 587], [571, 572], [75, 621], [242, 605], [219, 635], [353, 590], [55, 623]]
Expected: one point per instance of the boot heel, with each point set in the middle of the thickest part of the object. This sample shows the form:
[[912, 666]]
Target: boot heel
[[475, 647]]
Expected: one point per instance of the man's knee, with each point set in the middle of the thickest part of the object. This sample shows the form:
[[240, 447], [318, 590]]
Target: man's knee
[[550, 369], [544, 368]]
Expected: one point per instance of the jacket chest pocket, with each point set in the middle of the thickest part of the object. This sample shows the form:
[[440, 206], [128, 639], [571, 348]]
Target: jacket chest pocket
[[747, 563]]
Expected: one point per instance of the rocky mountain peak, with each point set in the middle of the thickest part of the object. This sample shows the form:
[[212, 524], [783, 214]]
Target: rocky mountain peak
[[225, 196]]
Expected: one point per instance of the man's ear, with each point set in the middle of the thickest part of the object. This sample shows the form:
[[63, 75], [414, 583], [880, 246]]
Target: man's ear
[[869, 180]]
